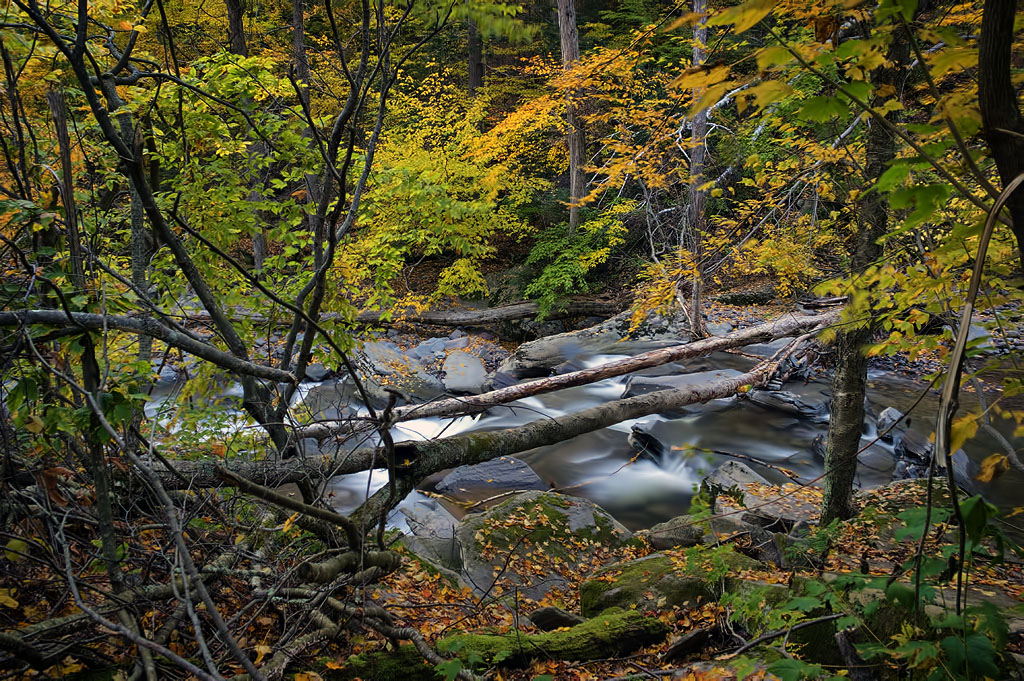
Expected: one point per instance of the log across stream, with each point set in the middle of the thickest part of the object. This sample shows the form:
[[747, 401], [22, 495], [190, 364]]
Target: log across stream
[[640, 491]]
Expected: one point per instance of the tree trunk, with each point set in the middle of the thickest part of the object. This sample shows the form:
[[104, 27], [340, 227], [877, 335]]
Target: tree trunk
[[55, 99], [236, 28], [1002, 123], [577, 142], [476, 58], [698, 196], [846, 422]]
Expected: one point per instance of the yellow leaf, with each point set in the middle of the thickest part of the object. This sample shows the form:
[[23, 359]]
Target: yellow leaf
[[34, 424], [331, 664], [262, 651], [291, 521], [6, 600], [744, 16], [992, 467], [962, 430], [15, 550]]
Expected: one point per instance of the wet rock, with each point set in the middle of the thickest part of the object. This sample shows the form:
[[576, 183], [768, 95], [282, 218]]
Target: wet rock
[[767, 349], [679, 531], [457, 343], [787, 403], [497, 475], [327, 401], [735, 481], [317, 372], [498, 380], [308, 446], [384, 365], [641, 385], [569, 530], [550, 617], [886, 425], [431, 346], [718, 328], [463, 373], [432, 533], [687, 644]]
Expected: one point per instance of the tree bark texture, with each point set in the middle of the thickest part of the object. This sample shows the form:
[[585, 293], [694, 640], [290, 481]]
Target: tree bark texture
[[1002, 123], [698, 196], [58, 110], [576, 140], [476, 57], [846, 421], [236, 27], [579, 307]]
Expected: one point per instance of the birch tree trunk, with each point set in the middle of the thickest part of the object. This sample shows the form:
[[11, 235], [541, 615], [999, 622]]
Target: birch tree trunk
[[698, 197]]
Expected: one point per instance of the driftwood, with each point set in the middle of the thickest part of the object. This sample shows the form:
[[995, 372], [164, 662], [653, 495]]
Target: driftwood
[[791, 325]]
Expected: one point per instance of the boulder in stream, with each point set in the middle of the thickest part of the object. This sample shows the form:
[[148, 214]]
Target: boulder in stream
[[463, 373], [501, 474], [788, 403]]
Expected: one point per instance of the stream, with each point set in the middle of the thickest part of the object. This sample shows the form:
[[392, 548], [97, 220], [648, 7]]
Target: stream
[[640, 492]]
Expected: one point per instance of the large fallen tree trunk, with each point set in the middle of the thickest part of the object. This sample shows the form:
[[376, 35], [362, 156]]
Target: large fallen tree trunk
[[417, 460], [526, 309], [791, 325]]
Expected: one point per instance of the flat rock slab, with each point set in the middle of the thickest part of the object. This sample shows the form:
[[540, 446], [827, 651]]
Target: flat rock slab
[[497, 475], [463, 373], [534, 543], [739, 488]]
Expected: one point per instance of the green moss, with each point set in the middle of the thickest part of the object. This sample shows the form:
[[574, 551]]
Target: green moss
[[659, 581], [613, 632], [404, 663]]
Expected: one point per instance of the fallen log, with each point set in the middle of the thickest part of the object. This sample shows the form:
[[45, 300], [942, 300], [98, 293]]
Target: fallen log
[[613, 632], [147, 326], [525, 309], [419, 459], [791, 325]]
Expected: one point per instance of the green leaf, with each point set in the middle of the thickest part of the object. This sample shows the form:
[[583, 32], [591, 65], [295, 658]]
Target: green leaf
[[791, 669], [976, 512], [743, 16], [973, 653], [449, 669], [902, 594], [821, 108], [802, 603]]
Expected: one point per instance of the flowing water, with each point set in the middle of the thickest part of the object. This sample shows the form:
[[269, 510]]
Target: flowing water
[[603, 467], [639, 492]]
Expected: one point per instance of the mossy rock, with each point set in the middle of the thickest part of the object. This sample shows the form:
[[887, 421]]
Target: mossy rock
[[404, 662], [613, 632], [548, 535], [661, 580]]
